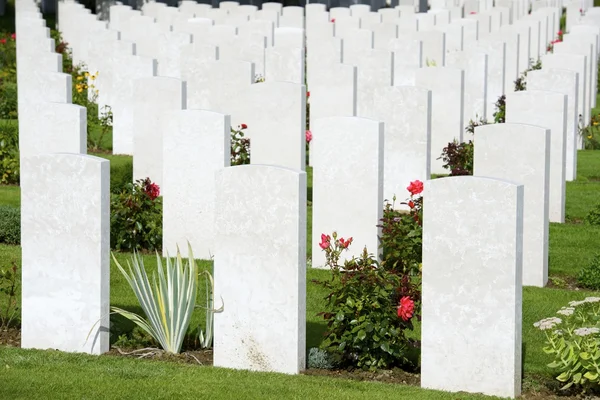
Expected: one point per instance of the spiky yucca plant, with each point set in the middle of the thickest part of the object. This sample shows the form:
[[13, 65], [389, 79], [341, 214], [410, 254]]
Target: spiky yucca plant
[[168, 301]]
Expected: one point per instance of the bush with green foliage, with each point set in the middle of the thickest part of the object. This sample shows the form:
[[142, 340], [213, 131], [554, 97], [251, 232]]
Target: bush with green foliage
[[589, 276], [240, 146], [9, 153], [593, 217], [320, 359], [8, 57], [9, 290], [8, 100], [369, 309], [136, 217], [10, 225], [573, 339], [121, 175], [401, 239]]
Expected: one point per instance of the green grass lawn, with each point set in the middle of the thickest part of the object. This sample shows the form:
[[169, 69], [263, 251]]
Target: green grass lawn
[[74, 376]]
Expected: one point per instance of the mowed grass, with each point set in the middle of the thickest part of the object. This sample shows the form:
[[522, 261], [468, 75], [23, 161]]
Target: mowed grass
[[31, 374]]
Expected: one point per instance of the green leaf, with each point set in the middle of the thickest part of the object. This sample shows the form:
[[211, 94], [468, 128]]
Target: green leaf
[[584, 355], [339, 316], [591, 376], [385, 347], [577, 377], [563, 377], [349, 302], [362, 335]]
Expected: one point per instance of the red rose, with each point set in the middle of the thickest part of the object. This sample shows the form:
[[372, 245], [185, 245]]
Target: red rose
[[415, 187], [325, 241], [152, 190], [308, 136], [332, 19], [411, 204], [3, 41], [13, 36], [406, 308], [345, 243], [244, 126], [560, 33]]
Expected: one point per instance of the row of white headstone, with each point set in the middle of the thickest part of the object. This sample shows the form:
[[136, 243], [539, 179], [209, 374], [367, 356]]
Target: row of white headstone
[[260, 218]]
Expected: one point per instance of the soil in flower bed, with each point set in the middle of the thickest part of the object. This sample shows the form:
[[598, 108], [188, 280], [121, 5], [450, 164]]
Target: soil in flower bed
[[197, 357], [10, 337], [395, 375]]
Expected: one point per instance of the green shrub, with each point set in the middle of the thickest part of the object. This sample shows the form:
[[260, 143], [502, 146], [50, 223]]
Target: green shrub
[[121, 174], [10, 225], [572, 340], [136, 217], [593, 217], [589, 276], [8, 100], [320, 359], [368, 311], [9, 153], [401, 239]]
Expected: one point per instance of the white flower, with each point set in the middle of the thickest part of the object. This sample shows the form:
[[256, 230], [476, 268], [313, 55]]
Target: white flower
[[547, 323], [586, 331], [577, 303], [592, 299], [566, 311]]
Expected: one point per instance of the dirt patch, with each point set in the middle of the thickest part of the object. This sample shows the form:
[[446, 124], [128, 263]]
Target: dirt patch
[[10, 337], [200, 357], [395, 375], [564, 282]]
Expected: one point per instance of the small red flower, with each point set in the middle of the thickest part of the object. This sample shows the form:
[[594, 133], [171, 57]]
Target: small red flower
[[13, 36], [406, 308], [332, 19], [472, 13], [152, 190], [415, 187], [307, 94], [560, 33], [3, 41], [244, 126], [308, 136], [345, 243], [325, 241], [411, 204]]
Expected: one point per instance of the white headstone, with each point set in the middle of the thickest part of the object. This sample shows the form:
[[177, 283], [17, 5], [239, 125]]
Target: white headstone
[[447, 91], [526, 160], [406, 114], [263, 323], [565, 82], [549, 110], [65, 237], [196, 146], [347, 163], [275, 113], [472, 300], [153, 99]]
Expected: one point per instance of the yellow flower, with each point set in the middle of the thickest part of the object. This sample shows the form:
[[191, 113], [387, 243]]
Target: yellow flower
[[86, 74], [595, 123], [93, 77], [589, 136], [79, 78], [79, 90]]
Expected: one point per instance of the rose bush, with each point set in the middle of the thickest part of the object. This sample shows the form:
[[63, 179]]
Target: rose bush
[[369, 310]]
